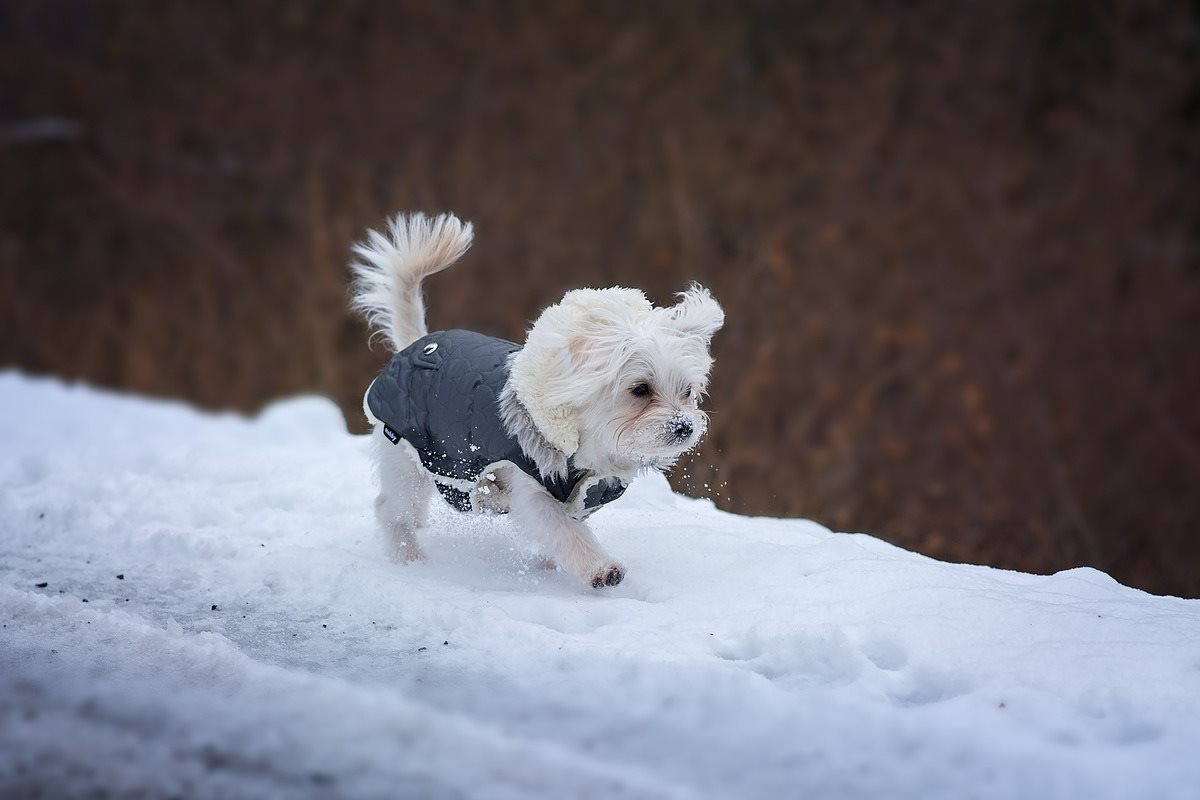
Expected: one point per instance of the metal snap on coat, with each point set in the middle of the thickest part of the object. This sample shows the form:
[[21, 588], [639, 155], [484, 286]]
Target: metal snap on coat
[[441, 395]]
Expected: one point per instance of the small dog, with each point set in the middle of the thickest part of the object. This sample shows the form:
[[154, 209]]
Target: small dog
[[605, 386]]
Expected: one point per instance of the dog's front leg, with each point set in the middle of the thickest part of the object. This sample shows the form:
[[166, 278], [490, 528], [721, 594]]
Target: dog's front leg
[[568, 541]]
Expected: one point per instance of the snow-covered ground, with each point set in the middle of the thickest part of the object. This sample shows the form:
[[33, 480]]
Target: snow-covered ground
[[196, 605]]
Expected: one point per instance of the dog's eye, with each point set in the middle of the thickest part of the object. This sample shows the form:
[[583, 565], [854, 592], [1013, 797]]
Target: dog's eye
[[641, 390]]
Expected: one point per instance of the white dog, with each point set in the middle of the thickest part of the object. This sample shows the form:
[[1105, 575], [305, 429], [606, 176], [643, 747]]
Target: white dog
[[606, 385]]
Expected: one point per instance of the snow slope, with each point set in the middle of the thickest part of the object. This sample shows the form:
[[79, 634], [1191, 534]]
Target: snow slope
[[259, 643]]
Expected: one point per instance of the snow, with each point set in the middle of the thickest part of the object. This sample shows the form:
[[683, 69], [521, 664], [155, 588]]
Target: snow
[[740, 658]]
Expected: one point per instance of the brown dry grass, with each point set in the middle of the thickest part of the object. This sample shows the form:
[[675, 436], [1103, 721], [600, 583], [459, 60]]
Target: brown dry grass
[[958, 244]]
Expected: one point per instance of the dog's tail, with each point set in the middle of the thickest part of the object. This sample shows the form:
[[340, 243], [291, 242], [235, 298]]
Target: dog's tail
[[390, 267]]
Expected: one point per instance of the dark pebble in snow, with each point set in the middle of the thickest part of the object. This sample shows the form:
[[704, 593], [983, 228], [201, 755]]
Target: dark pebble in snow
[[323, 625], [42, 585], [446, 642], [422, 649], [85, 599], [120, 576], [214, 607]]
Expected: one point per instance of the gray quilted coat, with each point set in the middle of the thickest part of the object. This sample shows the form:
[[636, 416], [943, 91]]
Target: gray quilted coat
[[440, 394]]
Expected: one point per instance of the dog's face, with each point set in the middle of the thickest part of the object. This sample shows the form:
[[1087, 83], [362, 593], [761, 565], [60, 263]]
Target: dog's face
[[644, 401], [625, 379]]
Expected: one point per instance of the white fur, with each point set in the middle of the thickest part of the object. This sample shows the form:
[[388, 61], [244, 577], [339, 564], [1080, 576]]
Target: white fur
[[570, 394], [402, 505], [565, 541], [388, 274], [547, 355], [580, 358]]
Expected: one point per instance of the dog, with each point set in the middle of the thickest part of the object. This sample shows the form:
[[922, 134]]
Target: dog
[[605, 386]]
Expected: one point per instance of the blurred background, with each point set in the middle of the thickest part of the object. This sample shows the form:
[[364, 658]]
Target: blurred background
[[958, 244]]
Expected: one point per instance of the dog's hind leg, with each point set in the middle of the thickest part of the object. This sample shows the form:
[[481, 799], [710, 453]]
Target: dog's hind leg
[[568, 541], [404, 495]]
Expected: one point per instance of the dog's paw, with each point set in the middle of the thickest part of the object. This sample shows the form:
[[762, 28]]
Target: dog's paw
[[406, 553], [609, 575], [544, 562]]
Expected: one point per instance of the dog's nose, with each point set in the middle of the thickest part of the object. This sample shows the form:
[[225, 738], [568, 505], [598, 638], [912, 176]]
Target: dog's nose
[[683, 429]]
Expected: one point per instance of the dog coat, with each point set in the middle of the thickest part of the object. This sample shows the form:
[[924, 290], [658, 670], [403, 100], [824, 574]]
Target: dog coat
[[441, 396]]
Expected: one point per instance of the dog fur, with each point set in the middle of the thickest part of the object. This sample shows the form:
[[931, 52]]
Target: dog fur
[[604, 379]]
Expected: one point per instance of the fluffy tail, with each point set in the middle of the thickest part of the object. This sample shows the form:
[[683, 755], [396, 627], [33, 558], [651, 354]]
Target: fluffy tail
[[389, 270]]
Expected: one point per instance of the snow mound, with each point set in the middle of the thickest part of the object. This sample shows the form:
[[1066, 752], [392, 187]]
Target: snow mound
[[197, 605]]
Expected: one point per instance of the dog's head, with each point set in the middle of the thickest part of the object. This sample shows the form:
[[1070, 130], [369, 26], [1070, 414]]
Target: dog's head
[[611, 380]]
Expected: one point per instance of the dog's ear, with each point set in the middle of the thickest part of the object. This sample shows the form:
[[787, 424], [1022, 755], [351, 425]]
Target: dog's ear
[[696, 313]]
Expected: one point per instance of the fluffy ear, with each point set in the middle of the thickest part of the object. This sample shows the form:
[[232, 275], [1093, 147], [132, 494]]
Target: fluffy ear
[[696, 313]]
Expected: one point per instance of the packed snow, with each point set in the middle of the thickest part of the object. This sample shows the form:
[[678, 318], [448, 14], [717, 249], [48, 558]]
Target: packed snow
[[198, 605]]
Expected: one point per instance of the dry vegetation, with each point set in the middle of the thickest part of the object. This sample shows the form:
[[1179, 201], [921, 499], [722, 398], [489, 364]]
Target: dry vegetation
[[958, 244]]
